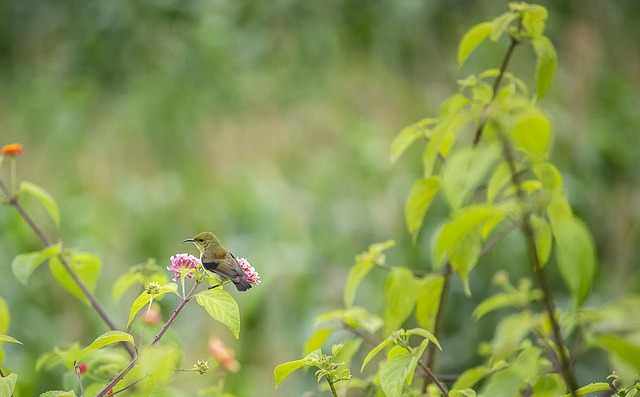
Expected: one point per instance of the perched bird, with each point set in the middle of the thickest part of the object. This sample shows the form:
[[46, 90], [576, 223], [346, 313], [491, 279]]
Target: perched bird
[[217, 259]]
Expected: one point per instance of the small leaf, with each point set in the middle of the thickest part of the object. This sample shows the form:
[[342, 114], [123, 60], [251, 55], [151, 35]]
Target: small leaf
[[44, 197], [509, 333], [575, 252], [531, 133], [471, 376], [472, 39], [420, 198], [124, 282], [500, 24], [407, 136], [464, 257], [550, 385], [508, 382], [59, 393], [8, 383], [4, 316], [283, 370], [364, 263], [492, 303], [591, 388], [144, 298], [425, 334], [375, 351], [543, 238], [108, 338], [549, 176], [400, 292], [546, 64], [428, 300], [317, 339], [7, 338], [626, 350], [533, 18], [222, 307], [24, 265], [86, 266], [499, 179]]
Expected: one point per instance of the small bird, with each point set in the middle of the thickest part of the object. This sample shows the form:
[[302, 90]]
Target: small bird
[[217, 259]]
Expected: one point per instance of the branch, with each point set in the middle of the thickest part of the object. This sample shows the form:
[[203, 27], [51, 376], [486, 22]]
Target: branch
[[434, 378], [13, 200]]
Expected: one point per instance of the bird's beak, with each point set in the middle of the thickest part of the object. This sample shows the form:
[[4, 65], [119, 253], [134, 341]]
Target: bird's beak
[[189, 240]]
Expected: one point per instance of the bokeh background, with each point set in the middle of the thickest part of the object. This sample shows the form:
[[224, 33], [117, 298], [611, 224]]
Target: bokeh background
[[268, 122]]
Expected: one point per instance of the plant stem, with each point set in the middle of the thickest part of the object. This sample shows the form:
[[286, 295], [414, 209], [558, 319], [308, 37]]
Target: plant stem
[[333, 388], [155, 340], [434, 378], [529, 234], [97, 306]]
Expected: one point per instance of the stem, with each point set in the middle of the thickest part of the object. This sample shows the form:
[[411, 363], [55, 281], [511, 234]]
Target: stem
[[155, 340], [434, 378], [529, 234], [97, 306], [333, 388]]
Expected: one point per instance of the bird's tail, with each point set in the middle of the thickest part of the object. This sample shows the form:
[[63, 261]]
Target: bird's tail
[[242, 284]]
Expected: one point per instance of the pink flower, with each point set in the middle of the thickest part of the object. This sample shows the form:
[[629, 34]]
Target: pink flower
[[252, 276], [182, 263], [223, 354]]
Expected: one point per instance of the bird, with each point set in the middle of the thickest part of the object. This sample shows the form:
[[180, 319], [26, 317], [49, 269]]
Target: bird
[[217, 259]]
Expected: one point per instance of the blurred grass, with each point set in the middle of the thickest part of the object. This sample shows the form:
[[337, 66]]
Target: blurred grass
[[269, 124]]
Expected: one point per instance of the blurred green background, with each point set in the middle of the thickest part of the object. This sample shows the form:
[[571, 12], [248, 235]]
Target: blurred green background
[[269, 124]]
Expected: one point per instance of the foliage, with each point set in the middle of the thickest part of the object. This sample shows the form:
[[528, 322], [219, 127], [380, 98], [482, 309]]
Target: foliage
[[486, 156]]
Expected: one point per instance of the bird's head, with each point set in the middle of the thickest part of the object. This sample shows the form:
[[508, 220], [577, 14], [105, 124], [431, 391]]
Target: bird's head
[[203, 240]]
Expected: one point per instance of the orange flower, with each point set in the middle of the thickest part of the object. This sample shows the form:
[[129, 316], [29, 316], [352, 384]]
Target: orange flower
[[14, 149]]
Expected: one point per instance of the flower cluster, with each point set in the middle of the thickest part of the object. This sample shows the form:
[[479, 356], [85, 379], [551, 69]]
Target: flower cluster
[[252, 276], [183, 263], [15, 149]]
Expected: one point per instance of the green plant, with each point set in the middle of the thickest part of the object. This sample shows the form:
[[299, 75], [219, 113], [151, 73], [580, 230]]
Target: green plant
[[486, 156]]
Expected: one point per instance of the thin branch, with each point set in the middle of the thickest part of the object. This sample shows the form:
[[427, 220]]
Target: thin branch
[[97, 306], [434, 378], [155, 340], [333, 388]]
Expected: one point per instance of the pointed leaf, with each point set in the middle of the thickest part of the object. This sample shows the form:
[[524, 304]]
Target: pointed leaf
[[425, 334], [400, 292], [317, 339], [8, 383], [407, 136], [374, 351], [591, 388], [144, 298], [500, 178], [532, 134], [464, 257], [550, 385], [626, 350], [546, 64], [364, 263], [509, 333], [471, 376], [420, 198], [222, 307], [472, 39], [492, 303], [108, 338], [59, 393], [543, 238], [7, 338], [549, 176], [428, 300], [283, 370], [23, 265], [500, 24], [86, 266], [44, 197]]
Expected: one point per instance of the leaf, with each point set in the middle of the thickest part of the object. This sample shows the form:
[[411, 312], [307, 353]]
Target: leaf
[[509, 333], [44, 197], [425, 334], [472, 39], [364, 263], [462, 393], [500, 24], [4, 316], [222, 307], [627, 351], [428, 300], [59, 393], [499, 179], [317, 339], [507, 383], [591, 388], [471, 376], [144, 298], [283, 370], [462, 223], [124, 282], [24, 265], [575, 253], [531, 133], [8, 384], [394, 373], [86, 266], [546, 64], [375, 351], [7, 338], [492, 303], [550, 385], [549, 176], [108, 338], [464, 257], [533, 18], [407, 136], [543, 238], [400, 292], [418, 202]]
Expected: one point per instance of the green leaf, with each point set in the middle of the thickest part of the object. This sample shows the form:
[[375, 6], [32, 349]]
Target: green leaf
[[375, 351], [428, 300], [550, 385], [59, 393], [509, 333], [4, 316], [465, 170], [591, 388], [24, 265], [353, 317], [317, 339], [533, 18], [124, 282], [543, 238], [8, 383], [464, 257], [500, 24], [86, 266], [364, 263], [546, 64], [400, 292], [222, 307], [499, 179], [283, 370], [462, 393], [420, 198], [44, 197], [425, 334], [549, 176], [492, 303], [627, 351], [507, 383], [108, 338], [531, 133], [160, 363], [407, 136], [575, 253], [394, 373], [472, 39], [462, 223], [471, 376], [144, 298], [7, 338]]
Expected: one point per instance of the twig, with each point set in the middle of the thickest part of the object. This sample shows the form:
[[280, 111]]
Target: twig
[[434, 378], [13, 200], [333, 388]]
